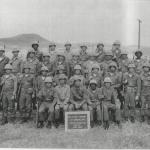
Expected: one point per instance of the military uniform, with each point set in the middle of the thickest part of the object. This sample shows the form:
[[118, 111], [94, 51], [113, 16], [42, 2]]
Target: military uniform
[[145, 92], [100, 52], [110, 101], [52, 52], [63, 94], [132, 92], [48, 99], [26, 94], [9, 88], [83, 54], [94, 102]]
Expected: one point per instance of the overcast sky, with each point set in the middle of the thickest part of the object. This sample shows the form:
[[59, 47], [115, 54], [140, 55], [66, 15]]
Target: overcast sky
[[77, 20]]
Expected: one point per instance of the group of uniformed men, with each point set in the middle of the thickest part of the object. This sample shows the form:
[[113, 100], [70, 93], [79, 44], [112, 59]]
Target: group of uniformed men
[[105, 83]]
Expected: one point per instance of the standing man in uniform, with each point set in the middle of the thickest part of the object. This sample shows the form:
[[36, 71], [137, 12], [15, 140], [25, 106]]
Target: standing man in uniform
[[68, 51], [3, 60], [38, 54], [52, 52], [83, 53], [100, 51], [110, 101], [132, 83], [9, 89], [47, 99]]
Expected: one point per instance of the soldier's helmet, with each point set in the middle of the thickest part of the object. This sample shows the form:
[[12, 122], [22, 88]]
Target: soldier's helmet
[[146, 64], [93, 81], [8, 66], [35, 43], [83, 45], [31, 51], [138, 51], [113, 64], [45, 54], [123, 53], [61, 53], [131, 65], [15, 49], [95, 66], [107, 80], [108, 53], [52, 44], [62, 77], [26, 66], [117, 42], [48, 80], [2, 48], [44, 68], [77, 67], [61, 67], [77, 78], [100, 43], [67, 44]]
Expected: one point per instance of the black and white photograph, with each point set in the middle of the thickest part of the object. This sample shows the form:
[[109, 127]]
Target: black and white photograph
[[75, 74]]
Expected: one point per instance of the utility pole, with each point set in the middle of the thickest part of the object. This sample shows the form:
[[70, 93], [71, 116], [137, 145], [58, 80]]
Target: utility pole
[[139, 33]]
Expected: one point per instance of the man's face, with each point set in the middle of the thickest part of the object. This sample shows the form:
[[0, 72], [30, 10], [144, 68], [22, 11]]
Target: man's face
[[77, 71], [95, 70], [48, 84], [15, 54], [68, 47], [108, 57], [1, 53], [46, 58], [131, 70], [62, 81], [93, 86], [75, 57], [83, 48], [124, 56], [100, 47], [112, 68], [77, 83], [26, 70], [116, 46], [8, 71], [61, 71], [92, 58], [146, 69], [32, 55], [35, 46], [138, 55], [60, 58], [44, 72], [107, 84], [52, 48]]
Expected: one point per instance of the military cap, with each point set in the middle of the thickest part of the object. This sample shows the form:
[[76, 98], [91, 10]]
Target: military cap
[[35, 43], [48, 80], [46, 54], [62, 76], [93, 81], [2, 48], [117, 43], [8, 66], [52, 44], [138, 51], [131, 65], [107, 80], [123, 53], [44, 68], [113, 64], [95, 66], [83, 45], [100, 44], [77, 67], [61, 67], [108, 53], [146, 64], [26, 66], [67, 43], [31, 51]]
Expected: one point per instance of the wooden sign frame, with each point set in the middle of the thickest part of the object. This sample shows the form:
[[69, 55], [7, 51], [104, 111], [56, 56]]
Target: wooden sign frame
[[76, 113]]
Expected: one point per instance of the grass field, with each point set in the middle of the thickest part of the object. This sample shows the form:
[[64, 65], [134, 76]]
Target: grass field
[[27, 136]]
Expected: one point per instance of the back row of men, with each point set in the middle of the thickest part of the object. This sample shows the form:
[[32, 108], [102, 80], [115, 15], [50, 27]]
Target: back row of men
[[99, 81]]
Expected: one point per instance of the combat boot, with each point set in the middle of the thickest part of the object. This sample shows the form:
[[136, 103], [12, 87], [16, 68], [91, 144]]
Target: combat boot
[[49, 125], [132, 119], [4, 121], [119, 124], [92, 124], [40, 124], [106, 125]]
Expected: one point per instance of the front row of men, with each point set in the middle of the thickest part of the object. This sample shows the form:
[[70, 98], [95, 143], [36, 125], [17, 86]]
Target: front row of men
[[73, 96]]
